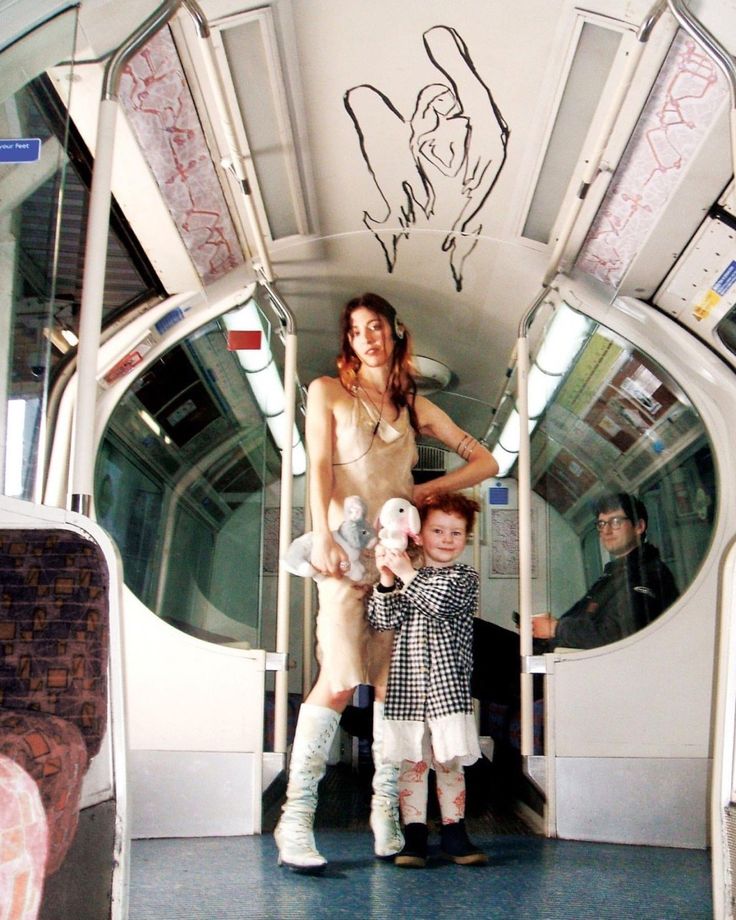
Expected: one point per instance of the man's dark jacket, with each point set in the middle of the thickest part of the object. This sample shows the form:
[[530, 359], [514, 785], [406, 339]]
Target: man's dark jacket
[[632, 591]]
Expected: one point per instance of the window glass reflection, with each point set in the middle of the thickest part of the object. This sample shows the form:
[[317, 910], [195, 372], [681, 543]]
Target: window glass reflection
[[726, 330], [46, 220], [182, 483], [615, 423]]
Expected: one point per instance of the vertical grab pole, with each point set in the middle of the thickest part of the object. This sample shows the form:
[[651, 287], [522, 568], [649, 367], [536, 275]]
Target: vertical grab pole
[[723, 773], [95, 257], [477, 562], [283, 595], [525, 545], [90, 315], [525, 526], [308, 620], [284, 583]]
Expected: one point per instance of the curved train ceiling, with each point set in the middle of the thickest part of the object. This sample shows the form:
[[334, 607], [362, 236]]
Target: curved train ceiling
[[429, 150]]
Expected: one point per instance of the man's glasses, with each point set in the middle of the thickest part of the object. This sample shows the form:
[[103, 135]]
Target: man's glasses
[[614, 523]]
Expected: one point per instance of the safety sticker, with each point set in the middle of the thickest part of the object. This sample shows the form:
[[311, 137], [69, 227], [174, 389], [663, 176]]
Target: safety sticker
[[726, 279], [712, 297], [705, 307], [131, 360], [20, 149]]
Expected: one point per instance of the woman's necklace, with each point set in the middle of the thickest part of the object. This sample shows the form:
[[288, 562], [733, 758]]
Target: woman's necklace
[[378, 409], [355, 388]]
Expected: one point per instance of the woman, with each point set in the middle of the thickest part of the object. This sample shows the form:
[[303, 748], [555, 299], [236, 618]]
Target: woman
[[360, 433]]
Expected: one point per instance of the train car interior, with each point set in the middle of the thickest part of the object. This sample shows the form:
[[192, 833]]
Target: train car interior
[[190, 191]]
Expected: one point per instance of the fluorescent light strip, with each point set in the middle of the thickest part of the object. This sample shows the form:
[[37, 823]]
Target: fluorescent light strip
[[151, 422], [265, 383], [563, 339], [507, 448], [504, 459]]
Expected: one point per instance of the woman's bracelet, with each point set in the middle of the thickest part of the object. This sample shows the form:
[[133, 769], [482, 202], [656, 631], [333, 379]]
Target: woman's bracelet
[[466, 447]]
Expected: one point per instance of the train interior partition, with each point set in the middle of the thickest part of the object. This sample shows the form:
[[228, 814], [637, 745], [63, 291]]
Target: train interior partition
[[195, 463], [630, 389]]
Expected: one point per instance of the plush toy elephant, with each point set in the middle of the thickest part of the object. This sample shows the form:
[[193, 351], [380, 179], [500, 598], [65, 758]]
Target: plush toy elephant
[[399, 520], [354, 535]]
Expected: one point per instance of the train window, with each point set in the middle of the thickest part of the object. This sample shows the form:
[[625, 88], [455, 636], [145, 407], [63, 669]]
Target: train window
[[615, 422], [186, 481], [47, 217], [726, 329]]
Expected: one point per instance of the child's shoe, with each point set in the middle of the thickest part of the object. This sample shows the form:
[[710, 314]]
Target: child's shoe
[[456, 845], [414, 853]]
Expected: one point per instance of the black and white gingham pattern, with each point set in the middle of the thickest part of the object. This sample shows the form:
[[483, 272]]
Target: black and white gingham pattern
[[433, 649]]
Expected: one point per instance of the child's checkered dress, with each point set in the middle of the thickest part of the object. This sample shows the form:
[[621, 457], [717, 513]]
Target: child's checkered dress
[[429, 680]]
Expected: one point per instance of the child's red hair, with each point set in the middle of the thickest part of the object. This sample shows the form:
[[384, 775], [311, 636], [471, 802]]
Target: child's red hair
[[451, 503]]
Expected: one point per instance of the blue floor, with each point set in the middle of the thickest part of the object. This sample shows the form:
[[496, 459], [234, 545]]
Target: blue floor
[[528, 877]]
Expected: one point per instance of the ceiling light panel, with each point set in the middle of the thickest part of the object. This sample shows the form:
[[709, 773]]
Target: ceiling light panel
[[590, 65], [247, 53]]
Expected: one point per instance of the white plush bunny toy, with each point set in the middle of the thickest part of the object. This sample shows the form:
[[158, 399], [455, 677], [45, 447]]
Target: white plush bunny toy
[[399, 520]]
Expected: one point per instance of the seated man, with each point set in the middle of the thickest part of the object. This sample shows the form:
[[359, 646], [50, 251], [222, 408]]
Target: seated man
[[635, 587]]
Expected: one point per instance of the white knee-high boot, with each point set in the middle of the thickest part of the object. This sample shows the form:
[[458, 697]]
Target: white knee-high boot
[[384, 819], [294, 836]]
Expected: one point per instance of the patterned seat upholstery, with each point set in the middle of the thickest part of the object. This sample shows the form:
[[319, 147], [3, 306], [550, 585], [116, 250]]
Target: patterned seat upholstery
[[52, 751], [503, 723], [53, 666], [22, 843]]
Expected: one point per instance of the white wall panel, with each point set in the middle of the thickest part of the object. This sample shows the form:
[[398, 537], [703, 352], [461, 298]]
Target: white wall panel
[[631, 722]]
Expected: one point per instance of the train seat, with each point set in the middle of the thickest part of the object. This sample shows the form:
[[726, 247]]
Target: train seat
[[23, 841], [53, 667], [495, 683]]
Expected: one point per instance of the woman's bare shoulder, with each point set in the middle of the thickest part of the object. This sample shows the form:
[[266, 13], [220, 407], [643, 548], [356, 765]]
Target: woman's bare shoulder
[[328, 390], [322, 382]]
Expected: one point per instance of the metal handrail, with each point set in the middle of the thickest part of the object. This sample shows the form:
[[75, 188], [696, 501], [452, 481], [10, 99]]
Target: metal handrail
[[121, 55], [593, 168], [721, 57], [283, 590], [81, 474], [81, 468], [710, 43], [723, 768]]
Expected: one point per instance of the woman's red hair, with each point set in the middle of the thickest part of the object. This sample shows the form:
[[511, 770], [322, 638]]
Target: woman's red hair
[[401, 387]]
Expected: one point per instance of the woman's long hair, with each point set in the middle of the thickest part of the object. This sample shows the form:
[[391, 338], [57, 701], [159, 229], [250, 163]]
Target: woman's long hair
[[401, 386]]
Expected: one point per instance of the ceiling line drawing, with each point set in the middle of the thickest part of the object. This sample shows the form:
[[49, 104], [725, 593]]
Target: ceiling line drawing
[[440, 165]]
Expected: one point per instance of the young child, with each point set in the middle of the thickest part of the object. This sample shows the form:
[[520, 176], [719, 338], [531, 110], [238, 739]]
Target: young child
[[429, 712]]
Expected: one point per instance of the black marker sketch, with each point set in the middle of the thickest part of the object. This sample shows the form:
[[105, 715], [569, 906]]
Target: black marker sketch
[[444, 160]]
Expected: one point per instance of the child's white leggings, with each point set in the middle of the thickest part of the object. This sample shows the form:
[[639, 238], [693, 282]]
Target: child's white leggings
[[413, 787]]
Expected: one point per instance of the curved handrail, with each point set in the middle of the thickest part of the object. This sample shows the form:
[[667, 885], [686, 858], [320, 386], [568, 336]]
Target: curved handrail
[[593, 167], [81, 466], [721, 57], [123, 53], [710, 43]]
